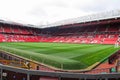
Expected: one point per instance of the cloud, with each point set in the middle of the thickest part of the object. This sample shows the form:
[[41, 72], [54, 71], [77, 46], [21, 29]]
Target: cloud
[[98, 5], [43, 11]]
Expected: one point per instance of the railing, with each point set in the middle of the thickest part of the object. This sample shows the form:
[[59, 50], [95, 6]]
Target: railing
[[58, 74]]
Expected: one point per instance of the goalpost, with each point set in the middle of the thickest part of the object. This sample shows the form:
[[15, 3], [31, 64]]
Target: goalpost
[[116, 44]]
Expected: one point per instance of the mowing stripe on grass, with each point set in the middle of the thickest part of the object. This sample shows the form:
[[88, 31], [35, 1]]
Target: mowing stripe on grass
[[69, 56]]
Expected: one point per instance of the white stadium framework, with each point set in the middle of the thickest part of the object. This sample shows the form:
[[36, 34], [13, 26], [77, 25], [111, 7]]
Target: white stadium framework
[[94, 17]]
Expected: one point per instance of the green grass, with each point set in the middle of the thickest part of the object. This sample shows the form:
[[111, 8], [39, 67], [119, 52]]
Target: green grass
[[61, 55]]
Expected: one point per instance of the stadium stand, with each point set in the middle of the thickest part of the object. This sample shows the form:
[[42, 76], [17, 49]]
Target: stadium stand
[[98, 35], [95, 29]]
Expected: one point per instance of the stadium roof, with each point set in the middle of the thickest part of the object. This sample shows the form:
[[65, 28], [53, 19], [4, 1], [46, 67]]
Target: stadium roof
[[95, 17], [15, 23]]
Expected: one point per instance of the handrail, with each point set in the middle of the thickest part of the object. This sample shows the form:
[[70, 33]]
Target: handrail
[[60, 74]]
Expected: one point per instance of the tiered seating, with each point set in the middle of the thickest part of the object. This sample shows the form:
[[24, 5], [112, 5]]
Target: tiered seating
[[87, 39], [110, 39], [24, 31], [113, 29], [87, 34], [1, 29], [2, 38], [7, 29], [16, 30], [31, 31], [102, 68], [101, 29], [21, 38], [91, 29], [12, 33]]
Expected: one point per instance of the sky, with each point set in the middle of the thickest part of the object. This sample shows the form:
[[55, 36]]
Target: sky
[[42, 12]]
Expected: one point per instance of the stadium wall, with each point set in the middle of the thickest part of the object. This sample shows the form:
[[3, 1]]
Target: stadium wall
[[23, 74]]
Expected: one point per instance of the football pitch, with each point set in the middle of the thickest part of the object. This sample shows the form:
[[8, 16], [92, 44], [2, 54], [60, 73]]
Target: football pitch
[[61, 55]]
